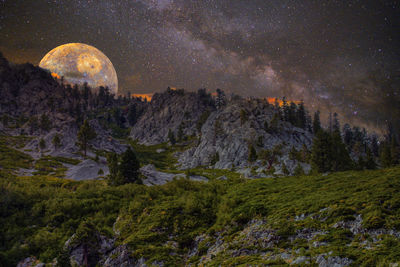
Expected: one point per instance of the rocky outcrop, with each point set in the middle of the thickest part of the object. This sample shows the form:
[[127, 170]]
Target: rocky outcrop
[[227, 134], [224, 134], [171, 110]]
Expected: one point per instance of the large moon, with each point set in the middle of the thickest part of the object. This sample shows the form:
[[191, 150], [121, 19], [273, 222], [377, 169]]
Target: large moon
[[79, 63]]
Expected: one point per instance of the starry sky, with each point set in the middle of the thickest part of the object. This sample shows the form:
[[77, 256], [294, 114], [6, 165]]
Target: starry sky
[[338, 56]]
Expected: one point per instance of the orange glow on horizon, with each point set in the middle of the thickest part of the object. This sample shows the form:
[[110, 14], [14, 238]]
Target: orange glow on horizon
[[143, 96], [55, 75], [271, 100]]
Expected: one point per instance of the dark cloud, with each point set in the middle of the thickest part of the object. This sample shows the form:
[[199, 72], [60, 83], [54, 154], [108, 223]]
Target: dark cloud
[[336, 55]]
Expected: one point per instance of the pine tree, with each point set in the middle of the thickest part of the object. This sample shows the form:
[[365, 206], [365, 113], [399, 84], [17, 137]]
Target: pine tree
[[220, 100], [45, 123], [118, 117], [292, 114], [293, 154], [180, 135], [374, 146], [132, 115], [285, 169], [301, 116], [252, 153], [274, 123], [394, 151], [285, 109], [85, 134], [361, 163], [243, 116], [336, 124], [340, 158], [56, 141], [129, 166], [298, 171], [369, 161], [42, 144], [266, 127], [316, 123], [321, 152], [112, 162], [348, 136], [260, 141], [385, 156]]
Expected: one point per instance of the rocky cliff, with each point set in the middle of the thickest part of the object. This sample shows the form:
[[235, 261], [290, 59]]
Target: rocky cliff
[[225, 134], [169, 111]]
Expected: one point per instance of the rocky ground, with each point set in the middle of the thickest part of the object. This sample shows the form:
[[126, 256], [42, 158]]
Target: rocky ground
[[255, 240]]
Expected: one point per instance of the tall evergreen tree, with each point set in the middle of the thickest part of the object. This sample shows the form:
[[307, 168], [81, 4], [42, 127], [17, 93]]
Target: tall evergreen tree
[[348, 136], [129, 166], [374, 146], [336, 124], [118, 117], [220, 100], [298, 171], [301, 116], [123, 168], [394, 151], [112, 162], [180, 134], [385, 156], [45, 122], [321, 156], [369, 161], [292, 113], [132, 115], [285, 109], [340, 158], [252, 153], [316, 123], [85, 134], [56, 141]]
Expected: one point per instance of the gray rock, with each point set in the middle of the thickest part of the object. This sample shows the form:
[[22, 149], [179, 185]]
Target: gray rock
[[285, 256], [120, 256], [87, 169], [301, 260], [231, 142], [27, 262], [167, 111], [79, 253], [334, 261], [154, 177], [198, 178]]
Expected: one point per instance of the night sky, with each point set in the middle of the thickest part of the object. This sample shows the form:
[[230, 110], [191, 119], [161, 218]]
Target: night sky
[[338, 56]]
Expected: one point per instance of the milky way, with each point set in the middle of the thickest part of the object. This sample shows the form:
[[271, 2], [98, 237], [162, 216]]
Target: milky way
[[338, 56]]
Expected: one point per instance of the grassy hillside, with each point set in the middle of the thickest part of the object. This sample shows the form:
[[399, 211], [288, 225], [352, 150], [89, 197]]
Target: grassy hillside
[[38, 214]]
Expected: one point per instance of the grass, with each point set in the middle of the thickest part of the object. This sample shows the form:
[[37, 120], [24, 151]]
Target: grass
[[181, 210], [54, 166], [10, 158], [164, 159], [39, 213]]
